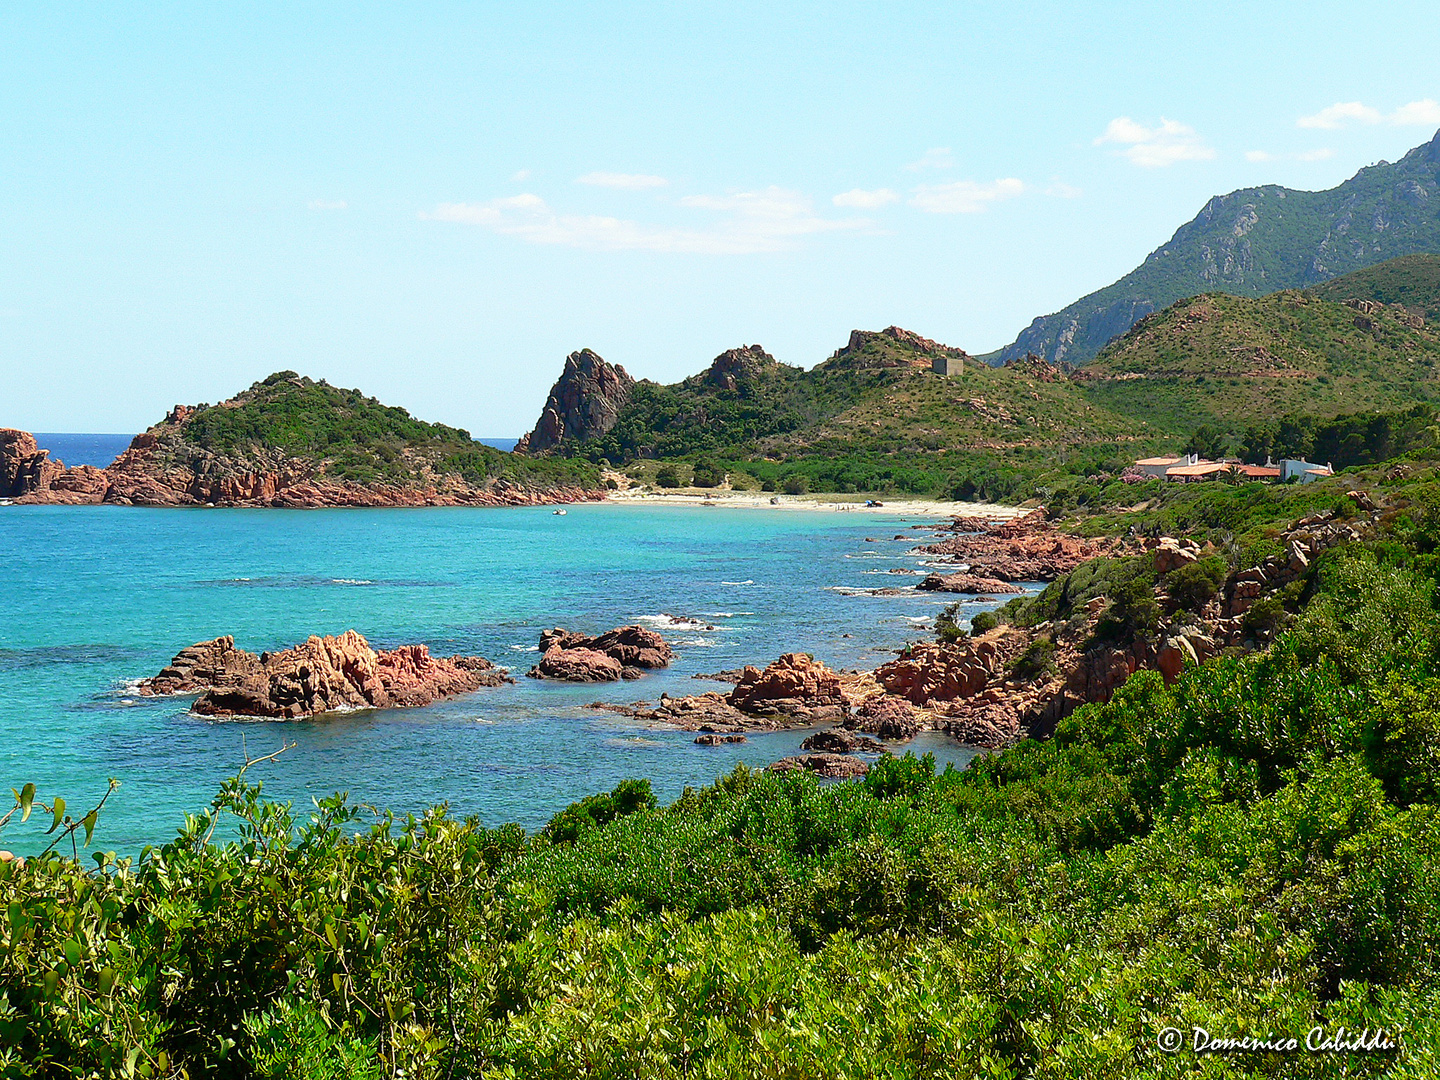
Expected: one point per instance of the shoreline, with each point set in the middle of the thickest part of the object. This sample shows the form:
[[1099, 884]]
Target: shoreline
[[821, 503]]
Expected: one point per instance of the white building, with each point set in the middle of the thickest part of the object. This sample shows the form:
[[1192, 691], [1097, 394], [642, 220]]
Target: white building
[[1306, 471]]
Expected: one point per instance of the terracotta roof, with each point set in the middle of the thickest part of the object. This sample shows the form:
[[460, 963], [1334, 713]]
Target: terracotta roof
[[1205, 468], [1257, 472]]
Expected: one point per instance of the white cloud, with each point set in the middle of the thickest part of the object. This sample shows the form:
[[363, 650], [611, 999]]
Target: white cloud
[[1337, 115], [623, 181], [1154, 148], [937, 157], [1422, 113], [964, 196], [859, 199], [752, 222], [325, 204], [520, 175]]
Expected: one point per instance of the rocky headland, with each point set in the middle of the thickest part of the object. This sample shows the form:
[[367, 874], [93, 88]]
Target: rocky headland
[[290, 442], [322, 674]]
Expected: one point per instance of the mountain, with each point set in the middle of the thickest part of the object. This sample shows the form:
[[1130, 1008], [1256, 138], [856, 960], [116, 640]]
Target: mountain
[[1223, 360], [1256, 241], [290, 441]]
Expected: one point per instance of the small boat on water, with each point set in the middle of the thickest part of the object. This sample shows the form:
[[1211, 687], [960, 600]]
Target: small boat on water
[[558, 513]]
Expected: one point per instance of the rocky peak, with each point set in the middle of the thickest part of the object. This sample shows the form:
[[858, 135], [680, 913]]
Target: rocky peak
[[584, 402], [877, 349], [733, 365], [24, 467]]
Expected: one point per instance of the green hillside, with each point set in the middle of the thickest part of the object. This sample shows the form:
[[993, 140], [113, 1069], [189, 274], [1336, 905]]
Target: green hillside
[[1256, 241], [873, 417], [350, 436], [1413, 281], [1221, 360]]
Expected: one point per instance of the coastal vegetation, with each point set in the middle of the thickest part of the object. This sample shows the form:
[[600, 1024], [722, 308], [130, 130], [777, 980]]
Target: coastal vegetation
[[1250, 850]]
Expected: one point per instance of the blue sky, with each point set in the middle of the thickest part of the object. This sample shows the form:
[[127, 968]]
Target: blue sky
[[437, 202]]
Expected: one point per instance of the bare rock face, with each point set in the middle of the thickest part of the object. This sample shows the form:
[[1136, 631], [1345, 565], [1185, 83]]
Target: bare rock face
[[320, 675], [626, 652], [25, 469], [584, 402], [835, 766], [970, 584], [796, 684], [932, 672], [919, 354], [885, 717], [206, 665], [840, 741], [580, 665]]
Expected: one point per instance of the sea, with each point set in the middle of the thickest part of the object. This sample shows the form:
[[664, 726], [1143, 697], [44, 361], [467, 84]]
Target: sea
[[94, 598]]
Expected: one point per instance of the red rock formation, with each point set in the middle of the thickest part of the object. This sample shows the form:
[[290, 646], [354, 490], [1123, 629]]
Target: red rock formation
[[886, 717], [623, 653], [584, 402], [966, 583], [930, 672], [320, 675], [1025, 549], [25, 469], [580, 665], [795, 683]]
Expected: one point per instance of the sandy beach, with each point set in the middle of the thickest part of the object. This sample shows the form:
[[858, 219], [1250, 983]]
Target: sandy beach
[[828, 503]]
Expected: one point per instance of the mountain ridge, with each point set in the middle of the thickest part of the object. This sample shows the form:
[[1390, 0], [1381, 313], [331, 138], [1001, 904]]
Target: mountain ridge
[[1254, 241]]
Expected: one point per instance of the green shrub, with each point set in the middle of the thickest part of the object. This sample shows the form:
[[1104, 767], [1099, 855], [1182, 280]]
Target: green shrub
[[667, 476], [1037, 660], [1194, 585], [797, 484], [983, 622]]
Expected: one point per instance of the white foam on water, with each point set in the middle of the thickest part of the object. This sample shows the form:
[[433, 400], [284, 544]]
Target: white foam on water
[[747, 581]]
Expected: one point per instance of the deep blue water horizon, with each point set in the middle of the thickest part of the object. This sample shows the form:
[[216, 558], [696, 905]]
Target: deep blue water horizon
[[101, 448], [97, 597]]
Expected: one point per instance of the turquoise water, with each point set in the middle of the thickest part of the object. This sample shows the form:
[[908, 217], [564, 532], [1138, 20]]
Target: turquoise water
[[96, 597]]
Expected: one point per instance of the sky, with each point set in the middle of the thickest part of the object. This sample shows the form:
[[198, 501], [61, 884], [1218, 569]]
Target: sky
[[436, 203]]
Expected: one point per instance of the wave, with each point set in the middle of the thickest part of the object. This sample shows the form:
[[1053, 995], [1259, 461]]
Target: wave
[[696, 643], [674, 622], [725, 614], [525, 648], [747, 581]]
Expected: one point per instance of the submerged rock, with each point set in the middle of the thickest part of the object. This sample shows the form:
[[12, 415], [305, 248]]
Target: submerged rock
[[320, 675], [716, 739]]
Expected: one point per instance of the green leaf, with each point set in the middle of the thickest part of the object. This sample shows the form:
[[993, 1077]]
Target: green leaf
[[89, 822], [107, 981], [130, 1060], [52, 982], [59, 814], [26, 797], [71, 949]]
